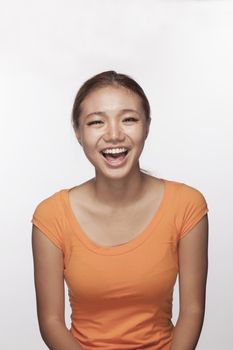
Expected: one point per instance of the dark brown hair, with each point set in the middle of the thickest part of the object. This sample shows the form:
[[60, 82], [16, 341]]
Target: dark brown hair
[[108, 78]]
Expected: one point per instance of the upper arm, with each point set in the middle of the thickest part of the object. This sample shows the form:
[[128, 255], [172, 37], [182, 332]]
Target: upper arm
[[193, 267], [48, 277]]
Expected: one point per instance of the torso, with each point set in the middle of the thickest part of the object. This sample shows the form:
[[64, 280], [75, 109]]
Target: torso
[[111, 227]]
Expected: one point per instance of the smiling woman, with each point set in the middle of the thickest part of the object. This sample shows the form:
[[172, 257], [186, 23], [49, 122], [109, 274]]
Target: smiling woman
[[120, 239], [113, 105]]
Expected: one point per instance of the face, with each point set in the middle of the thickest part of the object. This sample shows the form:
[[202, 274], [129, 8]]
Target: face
[[112, 130]]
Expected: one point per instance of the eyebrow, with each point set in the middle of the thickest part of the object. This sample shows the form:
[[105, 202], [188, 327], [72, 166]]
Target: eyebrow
[[122, 111]]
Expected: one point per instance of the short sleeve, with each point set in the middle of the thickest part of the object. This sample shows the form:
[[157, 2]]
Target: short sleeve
[[192, 207], [46, 218]]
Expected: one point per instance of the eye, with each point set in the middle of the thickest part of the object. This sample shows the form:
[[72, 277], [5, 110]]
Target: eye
[[130, 119], [94, 122]]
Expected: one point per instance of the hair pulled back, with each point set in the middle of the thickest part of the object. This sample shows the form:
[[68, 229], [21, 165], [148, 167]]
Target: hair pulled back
[[108, 78]]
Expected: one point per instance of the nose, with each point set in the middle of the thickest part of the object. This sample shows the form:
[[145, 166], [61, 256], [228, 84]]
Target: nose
[[114, 133]]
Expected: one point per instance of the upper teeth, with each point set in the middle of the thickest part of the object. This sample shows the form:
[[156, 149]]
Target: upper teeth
[[114, 150]]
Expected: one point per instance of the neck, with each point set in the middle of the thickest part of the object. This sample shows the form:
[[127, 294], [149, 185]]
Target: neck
[[119, 193]]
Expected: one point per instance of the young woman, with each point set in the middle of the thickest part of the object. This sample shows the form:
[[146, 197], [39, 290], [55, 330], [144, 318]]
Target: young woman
[[120, 239]]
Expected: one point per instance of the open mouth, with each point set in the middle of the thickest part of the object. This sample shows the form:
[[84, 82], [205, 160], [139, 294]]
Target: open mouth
[[114, 155]]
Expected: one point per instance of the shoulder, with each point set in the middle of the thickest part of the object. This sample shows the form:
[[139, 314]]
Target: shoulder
[[51, 210], [191, 206], [82, 194], [186, 192], [49, 217], [49, 204], [191, 194]]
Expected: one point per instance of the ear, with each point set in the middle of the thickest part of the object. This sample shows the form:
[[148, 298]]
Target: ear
[[78, 136], [148, 127]]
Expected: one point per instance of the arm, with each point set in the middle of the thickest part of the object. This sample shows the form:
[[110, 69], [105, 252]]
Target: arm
[[49, 284], [193, 268]]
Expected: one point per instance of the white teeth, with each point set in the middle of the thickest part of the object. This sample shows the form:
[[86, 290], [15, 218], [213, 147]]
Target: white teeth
[[115, 150]]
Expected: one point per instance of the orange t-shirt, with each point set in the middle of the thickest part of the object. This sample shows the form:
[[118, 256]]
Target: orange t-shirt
[[121, 297]]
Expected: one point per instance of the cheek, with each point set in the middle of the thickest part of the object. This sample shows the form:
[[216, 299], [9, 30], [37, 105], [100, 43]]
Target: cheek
[[90, 137], [137, 135]]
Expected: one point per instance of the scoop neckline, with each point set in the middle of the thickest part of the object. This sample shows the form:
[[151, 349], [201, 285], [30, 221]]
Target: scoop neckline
[[117, 249]]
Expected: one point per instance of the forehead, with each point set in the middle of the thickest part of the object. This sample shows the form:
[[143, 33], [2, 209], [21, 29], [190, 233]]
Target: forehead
[[111, 98]]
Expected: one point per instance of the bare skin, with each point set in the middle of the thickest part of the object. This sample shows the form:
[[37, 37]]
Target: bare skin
[[123, 222], [193, 269], [103, 198], [49, 284]]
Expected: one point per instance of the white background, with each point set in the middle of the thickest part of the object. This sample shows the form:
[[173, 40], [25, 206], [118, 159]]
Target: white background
[[181, 53]]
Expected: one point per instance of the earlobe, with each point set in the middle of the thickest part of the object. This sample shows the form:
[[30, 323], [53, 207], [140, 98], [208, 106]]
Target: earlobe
[[78, 137], [148, 128], [147, 131], [79, 141]]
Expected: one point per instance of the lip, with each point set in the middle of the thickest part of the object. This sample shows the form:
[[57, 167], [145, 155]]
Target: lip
[[112, 165]]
